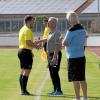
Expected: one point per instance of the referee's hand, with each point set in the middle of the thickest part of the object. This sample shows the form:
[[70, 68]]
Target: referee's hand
[[38, 46]]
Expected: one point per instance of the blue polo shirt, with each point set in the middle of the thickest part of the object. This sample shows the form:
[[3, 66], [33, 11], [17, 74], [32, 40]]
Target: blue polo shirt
[[75, 37]]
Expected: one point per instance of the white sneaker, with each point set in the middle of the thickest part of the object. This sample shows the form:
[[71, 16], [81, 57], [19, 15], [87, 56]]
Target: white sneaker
[[84, 98], [76, 99]]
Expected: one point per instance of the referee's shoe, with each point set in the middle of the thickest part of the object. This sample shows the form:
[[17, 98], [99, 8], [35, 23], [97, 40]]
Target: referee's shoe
[[25, 93]]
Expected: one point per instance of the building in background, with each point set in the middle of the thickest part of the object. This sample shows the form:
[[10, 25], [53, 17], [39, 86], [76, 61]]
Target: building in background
[[12, 13], [90, 17]]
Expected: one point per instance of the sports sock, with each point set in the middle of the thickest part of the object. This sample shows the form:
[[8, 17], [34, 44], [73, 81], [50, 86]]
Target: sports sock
[[24, 83], [20, 81]]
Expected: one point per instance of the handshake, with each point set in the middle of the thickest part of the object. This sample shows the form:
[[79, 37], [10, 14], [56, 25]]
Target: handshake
[[39, 43]]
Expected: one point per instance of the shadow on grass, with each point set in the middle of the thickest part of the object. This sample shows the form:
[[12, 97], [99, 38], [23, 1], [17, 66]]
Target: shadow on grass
[[94, 98], [67, 96], [64, 96], [57, 96]]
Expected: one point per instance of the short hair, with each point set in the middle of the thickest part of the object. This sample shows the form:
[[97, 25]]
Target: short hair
[[72, 16], [28, 18], [54, 19]]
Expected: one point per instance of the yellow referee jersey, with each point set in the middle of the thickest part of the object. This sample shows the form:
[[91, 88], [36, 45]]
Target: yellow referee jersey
[[25, 34], [46, 32]]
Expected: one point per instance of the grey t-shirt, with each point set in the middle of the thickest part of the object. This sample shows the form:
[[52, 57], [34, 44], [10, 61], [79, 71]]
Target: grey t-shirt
[[53, 41]]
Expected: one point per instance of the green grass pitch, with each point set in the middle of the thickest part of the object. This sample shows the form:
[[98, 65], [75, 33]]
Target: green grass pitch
[[9, 77]]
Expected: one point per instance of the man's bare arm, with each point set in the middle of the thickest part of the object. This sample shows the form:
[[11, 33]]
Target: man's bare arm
[[41, 41], [65, 43], [32, 44]]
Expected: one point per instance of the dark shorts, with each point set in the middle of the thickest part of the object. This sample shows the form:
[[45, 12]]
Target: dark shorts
[[26, 58], [76, 69]]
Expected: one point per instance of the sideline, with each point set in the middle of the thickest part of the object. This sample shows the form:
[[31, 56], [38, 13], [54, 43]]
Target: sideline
[[42, 86], [96, 56]]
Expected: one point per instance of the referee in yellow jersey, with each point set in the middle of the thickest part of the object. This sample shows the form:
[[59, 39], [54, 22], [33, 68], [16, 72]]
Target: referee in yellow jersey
[[25, 55]]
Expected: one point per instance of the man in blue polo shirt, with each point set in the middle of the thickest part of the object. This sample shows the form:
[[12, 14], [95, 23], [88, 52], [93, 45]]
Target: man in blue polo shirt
[[74, 43]]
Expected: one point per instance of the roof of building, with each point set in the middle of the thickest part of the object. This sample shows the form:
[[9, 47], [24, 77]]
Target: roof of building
[[93, 8], [38, 6]]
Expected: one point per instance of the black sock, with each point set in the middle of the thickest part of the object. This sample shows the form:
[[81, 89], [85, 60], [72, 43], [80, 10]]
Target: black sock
[[24, 83], [20, 81]]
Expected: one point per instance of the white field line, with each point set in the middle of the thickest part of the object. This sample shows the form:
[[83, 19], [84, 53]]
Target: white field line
[[42, 86], [96, 55]]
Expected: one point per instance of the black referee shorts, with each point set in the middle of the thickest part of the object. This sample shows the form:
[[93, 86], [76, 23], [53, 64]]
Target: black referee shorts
[[26, 58], [76, 69]]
